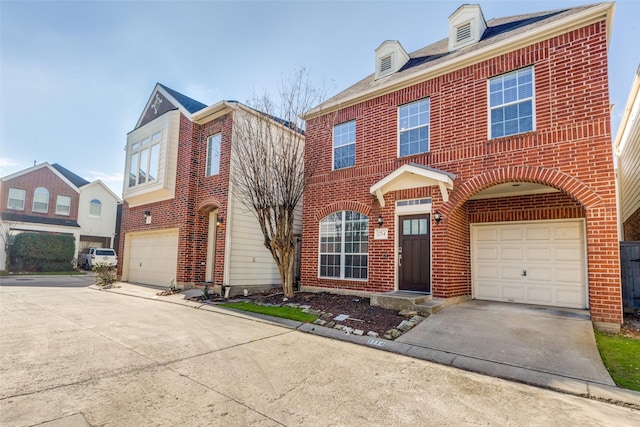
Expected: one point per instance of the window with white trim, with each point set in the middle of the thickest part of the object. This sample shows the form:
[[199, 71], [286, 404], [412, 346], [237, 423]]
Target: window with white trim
[[144, 156], [63, 205], [16, 199], [40, 200], [213, 155], [511, 103], [344, 246], [344, 145], [95, 208], [413, 127]]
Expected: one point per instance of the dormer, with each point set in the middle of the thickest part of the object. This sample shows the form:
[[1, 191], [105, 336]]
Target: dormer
[[390, 57], [466, 26]]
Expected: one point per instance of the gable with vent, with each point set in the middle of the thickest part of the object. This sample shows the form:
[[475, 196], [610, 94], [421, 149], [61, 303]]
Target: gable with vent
[[466, 26]]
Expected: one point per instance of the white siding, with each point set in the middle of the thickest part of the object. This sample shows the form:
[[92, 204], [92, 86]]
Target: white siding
[[105, 224], [250, 262]]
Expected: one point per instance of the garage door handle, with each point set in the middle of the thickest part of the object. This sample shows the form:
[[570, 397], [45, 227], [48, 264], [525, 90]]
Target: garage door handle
[[524, 273]]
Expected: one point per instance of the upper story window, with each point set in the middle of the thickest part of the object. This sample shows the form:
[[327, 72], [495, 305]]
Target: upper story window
[[511, 103], [41, 200], [413, 127], [344, 145], [143, 160], [95, 208], [16, 199], [63, 205], [213, 155], [344, 246]]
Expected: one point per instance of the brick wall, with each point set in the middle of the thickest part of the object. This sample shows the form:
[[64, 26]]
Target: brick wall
[[195, 196], [631, 227], [570, 150], [42, 177]]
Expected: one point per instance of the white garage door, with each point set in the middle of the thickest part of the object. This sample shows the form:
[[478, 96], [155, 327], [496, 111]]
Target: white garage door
[[153, 258], [534, 262]]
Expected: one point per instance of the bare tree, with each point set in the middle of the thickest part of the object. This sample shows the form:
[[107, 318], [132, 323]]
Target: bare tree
[[5, 234], [268, 172]]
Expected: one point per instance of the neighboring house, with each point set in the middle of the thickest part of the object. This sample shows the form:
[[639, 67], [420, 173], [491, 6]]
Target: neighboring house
[[180, 222], [480, 166], [628, 152], [49, 198]]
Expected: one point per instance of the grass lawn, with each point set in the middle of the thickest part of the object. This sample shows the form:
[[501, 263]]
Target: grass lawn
[[283, 312], [621, 356]]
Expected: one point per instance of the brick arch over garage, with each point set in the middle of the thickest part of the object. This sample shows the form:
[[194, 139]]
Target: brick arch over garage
[[569, 185], [209, 204], [343, 205], [602, 246]]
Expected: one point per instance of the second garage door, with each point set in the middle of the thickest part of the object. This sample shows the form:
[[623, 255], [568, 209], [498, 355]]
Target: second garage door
[[153, 258], [540, 262]]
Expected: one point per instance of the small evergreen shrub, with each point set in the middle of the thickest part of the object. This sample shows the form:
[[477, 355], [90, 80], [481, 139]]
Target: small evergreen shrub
[[42, 252]]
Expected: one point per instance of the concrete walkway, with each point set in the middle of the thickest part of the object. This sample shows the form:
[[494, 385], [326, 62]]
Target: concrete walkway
[[547, 347]]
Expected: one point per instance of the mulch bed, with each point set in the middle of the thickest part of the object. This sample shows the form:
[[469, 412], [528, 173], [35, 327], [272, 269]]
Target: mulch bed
[[361, 314], [631, 326]]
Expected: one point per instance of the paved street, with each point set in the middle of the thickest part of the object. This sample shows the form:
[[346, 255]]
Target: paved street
[[118, 360]]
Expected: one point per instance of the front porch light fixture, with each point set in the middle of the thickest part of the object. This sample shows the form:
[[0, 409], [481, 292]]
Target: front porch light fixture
[[437, 217], [220, 221], [380, 220]]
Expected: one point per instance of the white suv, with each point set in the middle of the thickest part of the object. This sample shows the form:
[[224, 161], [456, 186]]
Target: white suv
[[93, 256]]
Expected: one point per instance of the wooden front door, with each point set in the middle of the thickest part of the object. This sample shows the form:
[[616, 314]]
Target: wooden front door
[[414, 253]]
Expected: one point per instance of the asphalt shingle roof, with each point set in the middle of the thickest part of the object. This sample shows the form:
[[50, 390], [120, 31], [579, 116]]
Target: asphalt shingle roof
[[75, 179], [23, 218], [190, 104], [498, 29]]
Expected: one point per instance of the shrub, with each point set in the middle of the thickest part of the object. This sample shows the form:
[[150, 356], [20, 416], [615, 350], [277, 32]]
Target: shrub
[[105, 275], [44, 252]]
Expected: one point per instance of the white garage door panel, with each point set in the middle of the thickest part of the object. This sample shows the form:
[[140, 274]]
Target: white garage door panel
[[550, 252], [153, 259]]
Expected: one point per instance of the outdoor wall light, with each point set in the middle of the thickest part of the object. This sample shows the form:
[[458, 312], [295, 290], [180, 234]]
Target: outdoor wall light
[[437, 217], [380, 220], [147, 213], [147, 217], [220, 221]]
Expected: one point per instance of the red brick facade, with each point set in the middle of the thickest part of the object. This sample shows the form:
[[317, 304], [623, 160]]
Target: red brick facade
[[195, 196], [46, 178], [569, 150], [631, 227]]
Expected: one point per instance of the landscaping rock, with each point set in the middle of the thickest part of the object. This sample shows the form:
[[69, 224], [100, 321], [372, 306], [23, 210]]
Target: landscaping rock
[[358, 332], [408, 313]]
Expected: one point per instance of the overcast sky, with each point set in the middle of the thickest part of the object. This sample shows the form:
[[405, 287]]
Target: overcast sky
[[75, 75]]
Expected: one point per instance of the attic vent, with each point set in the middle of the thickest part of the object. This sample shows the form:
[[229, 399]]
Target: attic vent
[[385, 64], [463, 32]]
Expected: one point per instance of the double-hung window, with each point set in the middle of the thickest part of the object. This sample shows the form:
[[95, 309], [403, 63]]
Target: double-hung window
[[511, 103], [144, 156], [213, 155], [413, 127], [63, 205], [344, 246], [344, 145], [41, 200], [16, 199]]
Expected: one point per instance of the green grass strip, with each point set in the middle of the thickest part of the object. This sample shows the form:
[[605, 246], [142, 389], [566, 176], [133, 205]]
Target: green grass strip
[[621, 356], [282, 312]]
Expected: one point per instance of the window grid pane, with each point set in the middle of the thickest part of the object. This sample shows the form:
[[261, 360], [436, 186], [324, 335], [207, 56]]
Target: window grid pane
[[413, 124], [95, 208], [344, 246], [41, 200], [63, 205], [511, 102], [344, 145], [16, 199]]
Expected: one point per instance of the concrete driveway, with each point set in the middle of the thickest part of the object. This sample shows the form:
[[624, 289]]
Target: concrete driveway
[[540, 345]]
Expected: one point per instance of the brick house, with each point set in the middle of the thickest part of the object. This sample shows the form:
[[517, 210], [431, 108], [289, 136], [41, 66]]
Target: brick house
[[49, 198], [180, 220], [628, 151], [480, 166]]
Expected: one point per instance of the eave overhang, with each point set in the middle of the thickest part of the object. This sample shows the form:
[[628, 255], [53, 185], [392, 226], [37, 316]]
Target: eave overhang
[[410, 176]]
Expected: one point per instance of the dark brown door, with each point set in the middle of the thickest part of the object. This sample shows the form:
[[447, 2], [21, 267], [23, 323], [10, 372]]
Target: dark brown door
[[414, 253]]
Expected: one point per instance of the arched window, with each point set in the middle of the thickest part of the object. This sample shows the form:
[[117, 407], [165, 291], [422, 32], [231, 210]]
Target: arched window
[[344, 246], [41, 200], [95, 207]]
